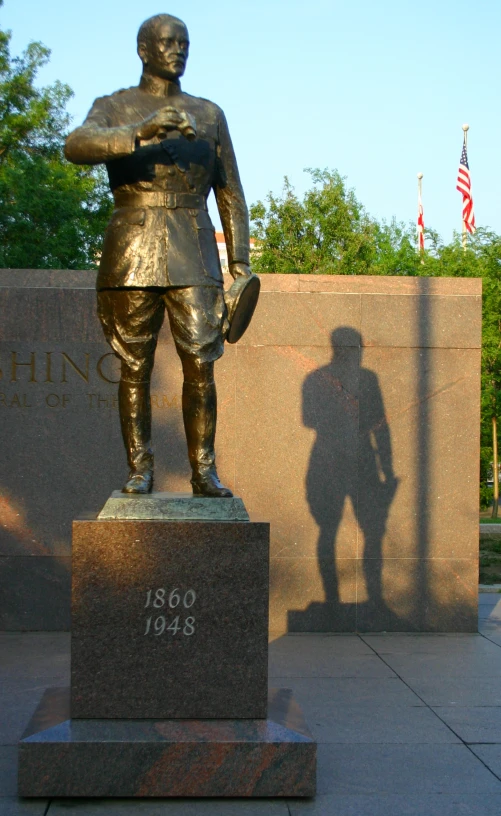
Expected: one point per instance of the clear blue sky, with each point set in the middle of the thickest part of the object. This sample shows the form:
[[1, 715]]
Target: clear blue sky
[[378, 90]]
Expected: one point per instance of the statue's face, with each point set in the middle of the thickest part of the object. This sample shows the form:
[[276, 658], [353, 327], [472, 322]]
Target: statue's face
[[166, 52]]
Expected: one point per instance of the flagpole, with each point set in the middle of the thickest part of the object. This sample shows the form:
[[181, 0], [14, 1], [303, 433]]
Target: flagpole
[[420, 196], [465, 142]]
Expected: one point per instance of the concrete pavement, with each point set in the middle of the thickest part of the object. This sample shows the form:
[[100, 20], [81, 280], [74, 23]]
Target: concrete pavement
[[406, 724]]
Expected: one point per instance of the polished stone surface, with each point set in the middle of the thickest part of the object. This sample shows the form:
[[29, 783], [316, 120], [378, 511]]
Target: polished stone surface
[[421, 321], [169, 619], [174, 506], [266, 757], [398, 384]]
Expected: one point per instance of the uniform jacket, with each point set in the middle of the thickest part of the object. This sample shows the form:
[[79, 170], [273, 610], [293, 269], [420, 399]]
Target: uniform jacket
[[173, 244]]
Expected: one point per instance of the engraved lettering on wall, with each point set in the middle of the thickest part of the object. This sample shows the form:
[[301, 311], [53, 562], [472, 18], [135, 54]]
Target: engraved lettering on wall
[[31, 379]]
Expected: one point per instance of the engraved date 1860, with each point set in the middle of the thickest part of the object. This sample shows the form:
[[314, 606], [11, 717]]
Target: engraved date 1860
[[160, 598]]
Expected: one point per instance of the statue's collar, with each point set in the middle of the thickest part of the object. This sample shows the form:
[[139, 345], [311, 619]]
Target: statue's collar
[[158, 86]]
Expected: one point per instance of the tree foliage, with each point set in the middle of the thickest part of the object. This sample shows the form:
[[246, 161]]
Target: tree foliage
[[328, 232], [52, 213]]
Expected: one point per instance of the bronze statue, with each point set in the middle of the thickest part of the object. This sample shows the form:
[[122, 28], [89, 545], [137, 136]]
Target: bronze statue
[[164, 151]]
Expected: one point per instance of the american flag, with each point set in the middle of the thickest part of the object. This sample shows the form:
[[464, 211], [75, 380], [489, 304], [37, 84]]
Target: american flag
[[420, 224], [464, 187]]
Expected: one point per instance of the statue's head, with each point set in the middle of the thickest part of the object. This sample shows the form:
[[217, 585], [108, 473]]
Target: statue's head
[[163, 45]]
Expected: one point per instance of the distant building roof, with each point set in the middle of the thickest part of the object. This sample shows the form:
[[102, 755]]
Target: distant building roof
[[220, 239]]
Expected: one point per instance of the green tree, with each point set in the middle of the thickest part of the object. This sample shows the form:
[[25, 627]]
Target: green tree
[[490, 255], [52, 213], [396, 250], [328, 232]]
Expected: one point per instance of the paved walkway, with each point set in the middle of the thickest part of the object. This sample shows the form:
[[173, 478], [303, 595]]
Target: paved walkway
[[407, 725]]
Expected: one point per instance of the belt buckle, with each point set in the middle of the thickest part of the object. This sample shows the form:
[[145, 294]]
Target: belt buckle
[[170, 201]]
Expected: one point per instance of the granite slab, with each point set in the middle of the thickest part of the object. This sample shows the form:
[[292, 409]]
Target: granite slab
[[169, 619], [275, 756], [175, 506]]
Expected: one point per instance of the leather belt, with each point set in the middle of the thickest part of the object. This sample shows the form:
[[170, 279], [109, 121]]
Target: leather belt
[[156, 198]]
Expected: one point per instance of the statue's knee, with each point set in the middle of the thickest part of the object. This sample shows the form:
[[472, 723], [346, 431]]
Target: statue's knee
[[136, 374], [197, 372]]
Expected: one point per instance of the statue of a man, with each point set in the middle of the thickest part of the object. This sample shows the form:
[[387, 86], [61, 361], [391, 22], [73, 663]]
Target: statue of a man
[[165, 151]]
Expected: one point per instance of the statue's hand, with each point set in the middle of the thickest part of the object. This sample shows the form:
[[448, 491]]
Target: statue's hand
[[240, 270], [165, 119]]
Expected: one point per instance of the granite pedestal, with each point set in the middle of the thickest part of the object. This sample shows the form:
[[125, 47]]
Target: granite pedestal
[[60, 756], [169, 663], [169, 619]]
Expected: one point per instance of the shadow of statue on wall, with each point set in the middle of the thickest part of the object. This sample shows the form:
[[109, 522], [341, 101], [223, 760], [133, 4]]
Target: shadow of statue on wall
[[351, 459]]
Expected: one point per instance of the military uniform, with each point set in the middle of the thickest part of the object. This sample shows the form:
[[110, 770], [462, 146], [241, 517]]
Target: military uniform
[[160, 234], [160, 250]]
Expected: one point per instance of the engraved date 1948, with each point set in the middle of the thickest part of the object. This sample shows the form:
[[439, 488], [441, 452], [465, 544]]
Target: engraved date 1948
[[160, 598]]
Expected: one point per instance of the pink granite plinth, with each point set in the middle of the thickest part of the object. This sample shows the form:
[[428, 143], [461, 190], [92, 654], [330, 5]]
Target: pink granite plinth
[[167, 758]]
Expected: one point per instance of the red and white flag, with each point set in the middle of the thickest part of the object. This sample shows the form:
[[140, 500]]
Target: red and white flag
[[464, 187], [420, 224]]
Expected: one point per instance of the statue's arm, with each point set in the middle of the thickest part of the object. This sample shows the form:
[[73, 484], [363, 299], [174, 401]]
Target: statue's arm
[[97, 141], [231, 201]]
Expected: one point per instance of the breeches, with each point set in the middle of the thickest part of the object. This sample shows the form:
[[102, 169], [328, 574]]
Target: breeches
[[132, 318]]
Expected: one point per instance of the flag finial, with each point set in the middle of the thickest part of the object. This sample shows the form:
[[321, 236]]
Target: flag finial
[[466, 128], [420, 175]]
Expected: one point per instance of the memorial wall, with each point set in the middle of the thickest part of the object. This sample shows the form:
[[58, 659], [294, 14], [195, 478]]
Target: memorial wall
[[348, 419]]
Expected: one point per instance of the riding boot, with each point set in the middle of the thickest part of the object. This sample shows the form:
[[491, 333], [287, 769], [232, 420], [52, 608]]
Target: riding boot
[[135, 420], [199, 415]]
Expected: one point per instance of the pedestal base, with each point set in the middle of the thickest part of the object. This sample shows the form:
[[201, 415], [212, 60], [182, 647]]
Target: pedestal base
[[185, 758], [173, 506]]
